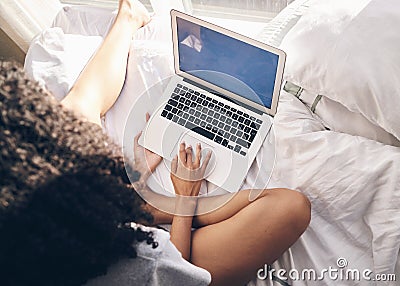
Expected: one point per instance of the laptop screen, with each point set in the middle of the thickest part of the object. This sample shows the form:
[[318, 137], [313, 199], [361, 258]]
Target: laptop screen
[[226, 62]]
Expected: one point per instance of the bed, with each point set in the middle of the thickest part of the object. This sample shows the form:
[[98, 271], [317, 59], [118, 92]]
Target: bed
[[337, 131]]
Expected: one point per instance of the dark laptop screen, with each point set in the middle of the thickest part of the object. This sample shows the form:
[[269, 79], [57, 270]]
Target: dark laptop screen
[[226, 62]]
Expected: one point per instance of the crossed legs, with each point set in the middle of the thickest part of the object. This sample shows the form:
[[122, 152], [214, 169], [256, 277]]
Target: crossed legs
[[236, 239]]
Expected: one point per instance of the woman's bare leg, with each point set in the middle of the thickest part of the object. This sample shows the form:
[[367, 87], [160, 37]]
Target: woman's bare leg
[[210, 210], [242, 235], [233, 249], [101, 81]]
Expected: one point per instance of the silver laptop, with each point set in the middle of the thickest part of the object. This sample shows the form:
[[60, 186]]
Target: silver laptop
[[223, 95]]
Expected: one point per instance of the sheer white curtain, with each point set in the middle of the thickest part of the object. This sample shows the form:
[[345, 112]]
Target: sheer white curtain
[[21, 20]]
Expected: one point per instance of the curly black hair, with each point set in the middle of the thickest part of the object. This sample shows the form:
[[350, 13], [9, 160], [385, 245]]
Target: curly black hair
[[65, 197]]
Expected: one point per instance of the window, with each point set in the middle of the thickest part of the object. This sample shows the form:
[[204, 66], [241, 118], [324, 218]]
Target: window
[[246, 17], [249, 10]]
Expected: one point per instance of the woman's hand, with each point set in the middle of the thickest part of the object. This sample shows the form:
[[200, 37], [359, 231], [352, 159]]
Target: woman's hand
[[186, 173], [137, 13], [186, 176], [145, 161]]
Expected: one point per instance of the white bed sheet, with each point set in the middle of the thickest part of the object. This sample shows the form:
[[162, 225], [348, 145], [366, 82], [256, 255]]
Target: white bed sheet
[[354, 188], [352, 181]]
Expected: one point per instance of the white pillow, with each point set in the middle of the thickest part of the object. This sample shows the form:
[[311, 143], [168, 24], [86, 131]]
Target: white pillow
[[56, 59], [58, 54], [348, 51], [276, 29]]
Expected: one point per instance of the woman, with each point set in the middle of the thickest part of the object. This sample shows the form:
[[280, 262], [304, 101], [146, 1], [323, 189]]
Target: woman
[[66, 202]]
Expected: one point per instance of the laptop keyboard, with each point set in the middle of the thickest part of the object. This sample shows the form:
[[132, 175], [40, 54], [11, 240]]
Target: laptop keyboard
[[219, 122]]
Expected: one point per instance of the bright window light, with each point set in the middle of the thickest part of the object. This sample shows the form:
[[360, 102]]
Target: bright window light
[[103, 3], [247, 17], [248, 10]]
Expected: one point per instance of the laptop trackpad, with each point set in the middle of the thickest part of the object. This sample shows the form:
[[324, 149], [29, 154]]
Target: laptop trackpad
[[205, 148]]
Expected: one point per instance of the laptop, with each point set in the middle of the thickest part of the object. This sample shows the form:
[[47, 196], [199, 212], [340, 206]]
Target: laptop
[[223, 95]]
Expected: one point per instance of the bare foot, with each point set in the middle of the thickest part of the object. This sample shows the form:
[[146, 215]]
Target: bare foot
[[135, 10]]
